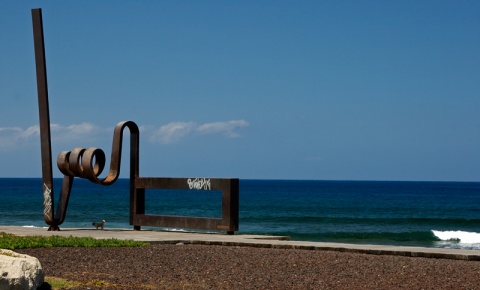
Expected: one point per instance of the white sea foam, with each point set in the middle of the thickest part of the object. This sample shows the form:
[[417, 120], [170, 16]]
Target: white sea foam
[[187, 230], [458, 236], [176, 230], [35, 227]]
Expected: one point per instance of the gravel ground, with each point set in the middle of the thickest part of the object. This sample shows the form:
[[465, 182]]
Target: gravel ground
[[222, 267]]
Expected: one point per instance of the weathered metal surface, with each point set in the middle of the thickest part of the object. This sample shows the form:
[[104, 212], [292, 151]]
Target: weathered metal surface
[[46, 151], [230, 203], [89, 163], [182, 222]]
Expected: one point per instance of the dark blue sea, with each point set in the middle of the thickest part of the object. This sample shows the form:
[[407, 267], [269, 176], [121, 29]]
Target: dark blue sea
[[429, 214]]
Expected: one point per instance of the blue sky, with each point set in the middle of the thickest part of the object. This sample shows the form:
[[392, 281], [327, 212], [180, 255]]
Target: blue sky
[[329, 90]]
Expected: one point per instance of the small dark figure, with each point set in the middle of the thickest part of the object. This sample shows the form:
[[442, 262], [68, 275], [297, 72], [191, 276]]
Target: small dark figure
[[99, 225]]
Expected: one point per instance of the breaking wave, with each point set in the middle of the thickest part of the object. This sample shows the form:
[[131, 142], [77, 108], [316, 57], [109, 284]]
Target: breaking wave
[[458, 239]]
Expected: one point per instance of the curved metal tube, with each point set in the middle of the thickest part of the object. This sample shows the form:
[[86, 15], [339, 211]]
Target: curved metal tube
[[89, 163], [84, 163]]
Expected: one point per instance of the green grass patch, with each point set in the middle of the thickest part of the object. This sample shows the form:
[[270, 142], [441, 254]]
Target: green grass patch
[[55, 283], [12, 242], [59, 283]]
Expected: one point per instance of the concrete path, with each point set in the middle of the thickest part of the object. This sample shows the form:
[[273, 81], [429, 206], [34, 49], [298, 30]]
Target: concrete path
[[154, 236]]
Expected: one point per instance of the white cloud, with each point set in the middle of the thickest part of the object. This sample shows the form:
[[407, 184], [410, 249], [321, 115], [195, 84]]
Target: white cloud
[[11, 137], [15, 136], [74, 132], [173, 132], [31, 131], [228, 128]]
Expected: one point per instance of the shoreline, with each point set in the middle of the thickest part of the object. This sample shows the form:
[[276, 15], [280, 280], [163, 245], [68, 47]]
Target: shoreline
[[253, 241]]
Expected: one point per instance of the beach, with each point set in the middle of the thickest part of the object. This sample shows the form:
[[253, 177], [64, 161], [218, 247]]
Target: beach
[[187, 266]]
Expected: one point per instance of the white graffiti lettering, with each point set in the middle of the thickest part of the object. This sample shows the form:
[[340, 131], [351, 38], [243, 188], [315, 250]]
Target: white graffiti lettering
[[199, 183], [47, 200]]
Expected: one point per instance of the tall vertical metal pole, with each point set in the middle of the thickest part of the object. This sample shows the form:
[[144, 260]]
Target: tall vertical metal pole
[[45, 140]]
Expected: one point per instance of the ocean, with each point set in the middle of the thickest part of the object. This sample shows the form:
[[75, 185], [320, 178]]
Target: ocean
[[427, 214]]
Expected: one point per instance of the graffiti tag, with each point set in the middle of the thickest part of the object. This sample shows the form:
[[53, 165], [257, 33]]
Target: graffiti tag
[[47, 200], [199, 183]]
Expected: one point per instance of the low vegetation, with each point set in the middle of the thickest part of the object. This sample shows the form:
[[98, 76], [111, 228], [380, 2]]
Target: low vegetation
[[12, 242], [54, 283]]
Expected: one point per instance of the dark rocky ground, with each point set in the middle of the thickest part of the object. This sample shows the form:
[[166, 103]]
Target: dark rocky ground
[[222, 267]]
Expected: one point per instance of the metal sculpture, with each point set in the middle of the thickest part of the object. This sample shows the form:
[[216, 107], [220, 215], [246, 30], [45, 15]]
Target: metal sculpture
[[89, 163]]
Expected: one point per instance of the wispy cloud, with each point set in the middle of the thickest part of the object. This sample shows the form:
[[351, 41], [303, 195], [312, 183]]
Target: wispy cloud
[[12, 137], [74, 132], [228, 128], [175, 131], [15, 136], [172, 132]]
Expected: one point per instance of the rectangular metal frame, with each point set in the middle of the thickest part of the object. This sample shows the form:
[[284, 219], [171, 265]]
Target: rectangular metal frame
[[230, 203]]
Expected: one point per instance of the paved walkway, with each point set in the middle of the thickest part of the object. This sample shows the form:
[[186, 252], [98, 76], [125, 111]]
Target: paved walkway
[[154, 236]]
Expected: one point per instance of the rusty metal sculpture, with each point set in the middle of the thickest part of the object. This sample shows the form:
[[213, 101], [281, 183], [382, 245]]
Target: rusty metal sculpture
[[89, 164]]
